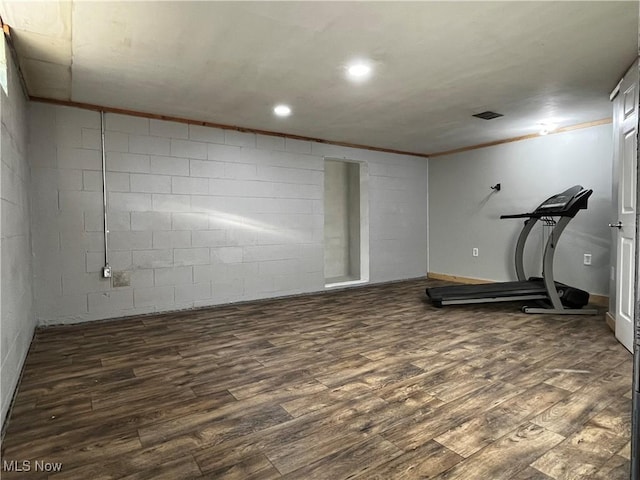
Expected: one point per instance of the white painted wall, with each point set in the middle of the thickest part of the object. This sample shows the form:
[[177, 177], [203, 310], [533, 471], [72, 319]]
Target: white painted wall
[[198, 216], [464, 212], [16, 299]]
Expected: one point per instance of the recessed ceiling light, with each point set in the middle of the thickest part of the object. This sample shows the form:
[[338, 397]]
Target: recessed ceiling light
[[359, 70], [282, 110]]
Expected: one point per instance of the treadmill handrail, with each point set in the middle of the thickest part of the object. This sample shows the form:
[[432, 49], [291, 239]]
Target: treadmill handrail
[[524, 215], [519, 252], [547, 262]]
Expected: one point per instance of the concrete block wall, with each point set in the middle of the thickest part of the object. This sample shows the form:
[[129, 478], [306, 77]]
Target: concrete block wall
[[16, 294], [197, 216]]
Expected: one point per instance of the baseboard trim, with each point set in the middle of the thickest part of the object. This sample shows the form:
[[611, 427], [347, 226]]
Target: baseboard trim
[[611, 322], [599, 300], [456, 278], [594, 298]]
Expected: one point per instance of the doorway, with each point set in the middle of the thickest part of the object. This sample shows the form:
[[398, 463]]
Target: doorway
[[625, 131]]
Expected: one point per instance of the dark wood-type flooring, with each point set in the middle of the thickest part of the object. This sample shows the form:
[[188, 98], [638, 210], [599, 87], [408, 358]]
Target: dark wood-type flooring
[[370, 383]]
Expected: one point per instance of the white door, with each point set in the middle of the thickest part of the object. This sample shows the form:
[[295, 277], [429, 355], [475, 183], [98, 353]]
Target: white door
[[625, 133]]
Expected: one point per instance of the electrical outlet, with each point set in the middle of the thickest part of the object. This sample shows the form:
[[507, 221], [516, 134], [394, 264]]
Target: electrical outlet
[[587, 259], [106, 271], [474, 252]]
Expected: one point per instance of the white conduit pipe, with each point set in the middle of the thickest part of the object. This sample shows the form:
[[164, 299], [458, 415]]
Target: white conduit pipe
[[106, 270]]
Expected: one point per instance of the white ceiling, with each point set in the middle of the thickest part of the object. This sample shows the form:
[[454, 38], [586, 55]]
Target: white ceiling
[[436, 63]]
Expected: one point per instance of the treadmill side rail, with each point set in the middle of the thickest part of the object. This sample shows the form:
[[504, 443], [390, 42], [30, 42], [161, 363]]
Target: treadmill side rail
[[563, 311], [492, 299]]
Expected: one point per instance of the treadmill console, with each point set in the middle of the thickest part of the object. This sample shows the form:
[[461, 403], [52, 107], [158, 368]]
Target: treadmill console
[[564, 204]]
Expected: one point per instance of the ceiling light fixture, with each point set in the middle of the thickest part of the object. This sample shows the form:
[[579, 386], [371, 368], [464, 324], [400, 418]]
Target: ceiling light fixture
[[282, 110], [359, 70]]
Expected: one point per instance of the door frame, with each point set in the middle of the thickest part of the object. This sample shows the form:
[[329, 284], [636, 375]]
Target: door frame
[[635, 402], [624, 330]]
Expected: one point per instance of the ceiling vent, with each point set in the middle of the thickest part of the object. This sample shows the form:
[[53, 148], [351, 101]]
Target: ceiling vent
[[488, 115]]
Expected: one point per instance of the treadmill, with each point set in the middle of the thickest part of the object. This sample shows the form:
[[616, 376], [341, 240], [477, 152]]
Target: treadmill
[[550, 296]]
